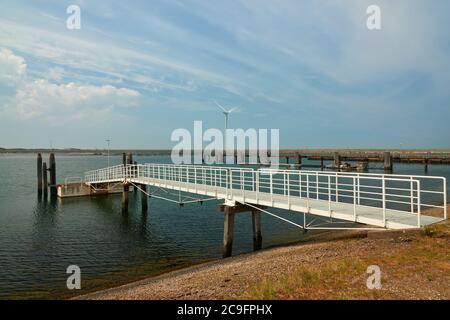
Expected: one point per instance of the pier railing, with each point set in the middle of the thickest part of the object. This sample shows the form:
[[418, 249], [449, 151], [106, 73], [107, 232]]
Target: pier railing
[[413, 194]]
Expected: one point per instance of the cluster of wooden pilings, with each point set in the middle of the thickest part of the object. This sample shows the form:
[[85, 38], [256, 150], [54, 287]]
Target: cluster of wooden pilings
[[243, 158], [43, 185], [142, 189]]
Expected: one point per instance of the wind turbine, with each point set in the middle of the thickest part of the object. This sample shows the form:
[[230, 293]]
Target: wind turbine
[[226, 113]]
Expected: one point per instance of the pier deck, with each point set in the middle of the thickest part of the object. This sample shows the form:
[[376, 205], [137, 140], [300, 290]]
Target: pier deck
[[389, 201]]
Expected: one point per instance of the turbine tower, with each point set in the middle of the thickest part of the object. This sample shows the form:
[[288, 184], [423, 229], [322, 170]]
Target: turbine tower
[[226, 113]]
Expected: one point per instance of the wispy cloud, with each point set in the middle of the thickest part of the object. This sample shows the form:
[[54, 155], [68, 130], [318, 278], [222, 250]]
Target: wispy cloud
[[295, 62]]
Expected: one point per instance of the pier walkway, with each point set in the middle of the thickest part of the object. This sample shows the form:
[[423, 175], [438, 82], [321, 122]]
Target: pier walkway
[[381, 200]]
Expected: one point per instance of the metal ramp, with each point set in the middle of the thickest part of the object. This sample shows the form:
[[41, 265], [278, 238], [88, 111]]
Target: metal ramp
[[388, 201]]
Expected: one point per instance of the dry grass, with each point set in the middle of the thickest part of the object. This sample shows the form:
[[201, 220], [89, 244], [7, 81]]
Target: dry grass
[[415, 267]]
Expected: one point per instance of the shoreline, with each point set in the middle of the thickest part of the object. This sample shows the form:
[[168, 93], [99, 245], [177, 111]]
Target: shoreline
[[254, 275], [169, 276]]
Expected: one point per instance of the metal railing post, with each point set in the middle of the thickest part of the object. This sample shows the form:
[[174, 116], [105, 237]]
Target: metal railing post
[[257, 185], [383, 191], [337, 187], [288, 192], [329, 194], [317, 186], [358, 181], [271, 186], [445, 198], [195, 178], [307, 186], [418, 204], [300, 187], [354, 198], [412, 193]]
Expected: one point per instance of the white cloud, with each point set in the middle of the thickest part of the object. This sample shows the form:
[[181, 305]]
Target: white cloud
[[63, 102], [12, 67], [41, 98]]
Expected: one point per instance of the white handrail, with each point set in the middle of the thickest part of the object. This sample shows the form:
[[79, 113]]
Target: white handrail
[[386, 191]]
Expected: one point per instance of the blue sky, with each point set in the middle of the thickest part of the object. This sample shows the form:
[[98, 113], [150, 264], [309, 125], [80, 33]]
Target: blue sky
[[137, 70]]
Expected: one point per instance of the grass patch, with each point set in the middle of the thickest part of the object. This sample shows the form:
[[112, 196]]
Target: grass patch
[[410, 270], [436, 230], [307, 279]]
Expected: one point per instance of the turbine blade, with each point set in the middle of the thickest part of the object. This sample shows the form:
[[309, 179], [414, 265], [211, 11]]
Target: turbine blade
[[233, 109], [223, 109]]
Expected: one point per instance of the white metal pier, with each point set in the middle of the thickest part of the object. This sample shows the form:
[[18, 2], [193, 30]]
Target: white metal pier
[[381, 200]]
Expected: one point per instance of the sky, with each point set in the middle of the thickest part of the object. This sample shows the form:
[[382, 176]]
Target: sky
[[138, 70]]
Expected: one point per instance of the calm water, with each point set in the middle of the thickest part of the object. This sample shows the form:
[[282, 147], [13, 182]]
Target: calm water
[[38, 240]]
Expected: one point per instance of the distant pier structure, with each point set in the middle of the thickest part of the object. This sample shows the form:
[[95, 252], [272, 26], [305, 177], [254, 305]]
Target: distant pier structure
[[353, 160]]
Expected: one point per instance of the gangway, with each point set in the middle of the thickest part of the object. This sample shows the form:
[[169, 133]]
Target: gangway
[[388, 201]]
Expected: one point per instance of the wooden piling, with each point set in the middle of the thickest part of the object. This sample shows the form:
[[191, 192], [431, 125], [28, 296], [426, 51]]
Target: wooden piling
[[337, 160], [299, 159], [126, 187], [52, 169], [321, 163], [228, 228], [39, 174], [426, 162], [256, 223], [287, 160], [124, 159], [45, 180], [387, 162], [144, 198], [125, 198]]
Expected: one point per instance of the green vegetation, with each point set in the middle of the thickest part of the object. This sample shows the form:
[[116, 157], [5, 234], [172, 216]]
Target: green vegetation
[[412, 266]]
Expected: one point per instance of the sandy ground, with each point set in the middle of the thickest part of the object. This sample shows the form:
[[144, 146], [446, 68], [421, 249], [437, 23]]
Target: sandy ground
[[224, 278], [413, 276]]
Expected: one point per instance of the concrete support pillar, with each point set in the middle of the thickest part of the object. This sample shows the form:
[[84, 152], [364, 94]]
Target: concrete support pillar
[[39, 175], [228, 228], [144, 198], [387, 162], [256, 223]]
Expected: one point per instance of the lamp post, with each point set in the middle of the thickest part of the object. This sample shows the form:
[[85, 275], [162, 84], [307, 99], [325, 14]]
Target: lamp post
[[108, 141]]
